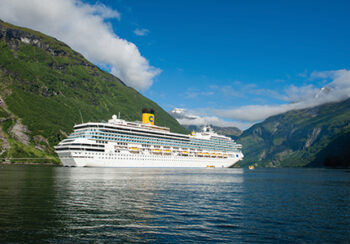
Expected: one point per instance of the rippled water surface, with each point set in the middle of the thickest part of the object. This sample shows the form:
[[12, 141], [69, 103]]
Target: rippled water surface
[[55, 204]]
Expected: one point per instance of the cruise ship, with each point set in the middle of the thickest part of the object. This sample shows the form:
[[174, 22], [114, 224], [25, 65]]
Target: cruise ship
[[120, 143]]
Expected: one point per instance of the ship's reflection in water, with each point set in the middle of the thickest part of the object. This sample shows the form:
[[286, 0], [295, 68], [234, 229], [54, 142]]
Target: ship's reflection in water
[[144, 204]]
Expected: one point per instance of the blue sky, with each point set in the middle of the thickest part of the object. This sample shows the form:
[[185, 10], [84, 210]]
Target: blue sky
[[228, 58], [225, 54]]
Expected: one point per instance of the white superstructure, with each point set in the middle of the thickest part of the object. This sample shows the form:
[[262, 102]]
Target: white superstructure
[[120, 143]]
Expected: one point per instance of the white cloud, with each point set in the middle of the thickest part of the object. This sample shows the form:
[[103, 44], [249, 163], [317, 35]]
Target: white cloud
[[104, 11], [320, 75], [141, 32], [337, 89], [83, 27], [340, 78], [253, 113], [186, 117]]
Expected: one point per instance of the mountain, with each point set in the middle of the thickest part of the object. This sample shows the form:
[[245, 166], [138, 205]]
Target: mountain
[[315, 137], [190, 122], [46, 88], [230, 131]]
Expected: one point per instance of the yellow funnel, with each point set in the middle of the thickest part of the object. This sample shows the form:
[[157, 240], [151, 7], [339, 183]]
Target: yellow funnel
[[148, 116]]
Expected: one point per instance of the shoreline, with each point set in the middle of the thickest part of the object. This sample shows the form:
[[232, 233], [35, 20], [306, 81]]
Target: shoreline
[[29, 163]]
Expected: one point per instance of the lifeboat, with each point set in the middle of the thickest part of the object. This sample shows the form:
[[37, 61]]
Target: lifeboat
[[134, 149], [184, 153], [206, 154], [156, 151]]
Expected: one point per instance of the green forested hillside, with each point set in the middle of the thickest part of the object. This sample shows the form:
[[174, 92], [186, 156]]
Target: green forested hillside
[[46, 87], [308, 137]]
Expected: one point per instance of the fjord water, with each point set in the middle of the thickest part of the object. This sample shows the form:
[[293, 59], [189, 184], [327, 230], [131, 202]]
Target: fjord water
[[55, 204]]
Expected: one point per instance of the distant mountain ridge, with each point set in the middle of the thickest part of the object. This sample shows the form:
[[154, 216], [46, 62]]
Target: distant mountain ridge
[[46, 87], [314, 137]]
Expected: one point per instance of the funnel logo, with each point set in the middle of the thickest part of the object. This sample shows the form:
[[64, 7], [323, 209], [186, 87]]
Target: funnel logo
[[148, 118]]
